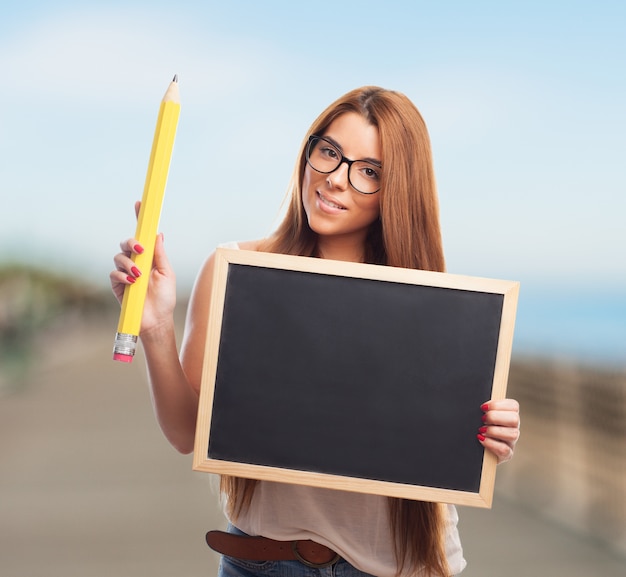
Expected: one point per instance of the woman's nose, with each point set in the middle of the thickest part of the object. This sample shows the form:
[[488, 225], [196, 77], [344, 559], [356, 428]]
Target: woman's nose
[[338, 178]]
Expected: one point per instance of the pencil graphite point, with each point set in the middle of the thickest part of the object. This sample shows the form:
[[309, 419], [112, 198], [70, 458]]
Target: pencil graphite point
[[175, 78]]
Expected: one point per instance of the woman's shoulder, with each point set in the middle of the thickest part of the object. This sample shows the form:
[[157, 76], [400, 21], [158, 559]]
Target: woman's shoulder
[[245, 245], [206, 271], [204, 278], [252, 244]]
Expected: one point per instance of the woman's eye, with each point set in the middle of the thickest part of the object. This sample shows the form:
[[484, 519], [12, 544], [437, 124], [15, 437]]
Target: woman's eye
[[371, 173], [329, 152]]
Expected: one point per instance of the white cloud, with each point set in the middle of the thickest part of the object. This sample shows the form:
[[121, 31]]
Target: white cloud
[[123, 55]]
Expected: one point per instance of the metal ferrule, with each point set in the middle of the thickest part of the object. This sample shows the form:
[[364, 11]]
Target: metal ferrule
[[125, 344]]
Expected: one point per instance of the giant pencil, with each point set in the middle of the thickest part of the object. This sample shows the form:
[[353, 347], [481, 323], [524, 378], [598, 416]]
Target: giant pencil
[[148, 223]]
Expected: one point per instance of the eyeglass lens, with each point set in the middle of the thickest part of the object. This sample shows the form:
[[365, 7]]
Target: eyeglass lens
[[324, 157]]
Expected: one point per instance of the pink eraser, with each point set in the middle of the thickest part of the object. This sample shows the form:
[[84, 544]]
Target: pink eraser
[[123, 358]]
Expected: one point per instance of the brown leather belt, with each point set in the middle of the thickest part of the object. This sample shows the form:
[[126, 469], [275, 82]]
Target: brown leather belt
[[308, 552]]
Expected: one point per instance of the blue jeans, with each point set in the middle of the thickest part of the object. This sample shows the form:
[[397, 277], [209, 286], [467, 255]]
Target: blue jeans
[[231, 567]]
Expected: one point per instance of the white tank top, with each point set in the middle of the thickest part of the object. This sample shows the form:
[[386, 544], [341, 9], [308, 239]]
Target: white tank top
[[355, 525]]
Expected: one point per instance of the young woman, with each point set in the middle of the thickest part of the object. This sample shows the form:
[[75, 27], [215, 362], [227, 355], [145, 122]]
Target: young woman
[[363, 190]]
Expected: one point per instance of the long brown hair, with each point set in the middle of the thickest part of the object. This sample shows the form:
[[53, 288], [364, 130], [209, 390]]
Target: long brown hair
[[407, 234]]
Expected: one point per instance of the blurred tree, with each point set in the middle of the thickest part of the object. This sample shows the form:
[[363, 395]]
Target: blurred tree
[[32, 301]]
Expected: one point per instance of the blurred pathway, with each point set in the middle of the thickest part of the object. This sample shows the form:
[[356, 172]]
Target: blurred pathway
[[88, 486], [509, 540]]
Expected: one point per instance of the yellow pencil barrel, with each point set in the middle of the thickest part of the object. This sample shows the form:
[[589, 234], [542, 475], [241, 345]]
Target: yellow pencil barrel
[[148, 224]]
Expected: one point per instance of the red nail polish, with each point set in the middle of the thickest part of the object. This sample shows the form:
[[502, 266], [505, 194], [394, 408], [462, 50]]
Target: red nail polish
[[482, 430], [481, 438], [138, 248], [135, 271], [131, 279], [484, 407], [484, 418]]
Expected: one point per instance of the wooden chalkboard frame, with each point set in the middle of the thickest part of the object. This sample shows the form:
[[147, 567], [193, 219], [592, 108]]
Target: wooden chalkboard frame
[[228, 261]]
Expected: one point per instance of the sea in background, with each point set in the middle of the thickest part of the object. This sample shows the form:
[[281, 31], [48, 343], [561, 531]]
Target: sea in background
[[583, 326]]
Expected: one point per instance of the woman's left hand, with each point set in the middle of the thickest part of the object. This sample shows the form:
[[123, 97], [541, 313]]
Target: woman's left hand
[[501, 428]]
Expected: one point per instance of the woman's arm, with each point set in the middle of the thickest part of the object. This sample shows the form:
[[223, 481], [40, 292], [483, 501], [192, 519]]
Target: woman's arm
[[174, 397], [196, 323], [174, 381]]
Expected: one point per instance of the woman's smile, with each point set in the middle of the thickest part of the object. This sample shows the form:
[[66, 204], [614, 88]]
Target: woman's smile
[[325, 201]]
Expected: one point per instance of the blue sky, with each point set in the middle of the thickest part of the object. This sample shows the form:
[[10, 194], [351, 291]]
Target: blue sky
[[525, 103]]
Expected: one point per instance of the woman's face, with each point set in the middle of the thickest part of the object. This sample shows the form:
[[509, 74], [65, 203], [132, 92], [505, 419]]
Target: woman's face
[[333, 207]]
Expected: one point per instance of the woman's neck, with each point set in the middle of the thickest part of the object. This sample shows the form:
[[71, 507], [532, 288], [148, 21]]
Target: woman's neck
[[336, 248]]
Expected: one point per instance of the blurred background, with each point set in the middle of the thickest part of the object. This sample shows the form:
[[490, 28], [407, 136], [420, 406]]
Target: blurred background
[[524, 103]]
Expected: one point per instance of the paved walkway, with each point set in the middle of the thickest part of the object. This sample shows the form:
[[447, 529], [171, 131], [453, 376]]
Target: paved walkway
[[90, 488]]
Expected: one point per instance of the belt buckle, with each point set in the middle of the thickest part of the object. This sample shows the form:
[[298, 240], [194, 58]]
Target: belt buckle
[[299, 557]]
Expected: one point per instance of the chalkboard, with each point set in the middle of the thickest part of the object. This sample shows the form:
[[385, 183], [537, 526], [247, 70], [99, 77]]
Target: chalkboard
[[353, 376]]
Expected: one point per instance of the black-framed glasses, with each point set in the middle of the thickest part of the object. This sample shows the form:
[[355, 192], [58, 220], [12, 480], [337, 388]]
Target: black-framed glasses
[[323, 156]]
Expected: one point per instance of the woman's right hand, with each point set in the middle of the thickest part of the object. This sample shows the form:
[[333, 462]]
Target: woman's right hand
[[161, 295]]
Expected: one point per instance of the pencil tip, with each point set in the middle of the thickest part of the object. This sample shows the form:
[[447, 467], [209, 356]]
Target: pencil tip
[[175, 78]]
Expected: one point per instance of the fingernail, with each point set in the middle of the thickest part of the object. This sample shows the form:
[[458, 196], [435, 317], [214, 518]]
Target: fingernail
[[484, 418], [135, 271], [484, 407], [131, 279], [138, 248], [481, 438], [482, 430]]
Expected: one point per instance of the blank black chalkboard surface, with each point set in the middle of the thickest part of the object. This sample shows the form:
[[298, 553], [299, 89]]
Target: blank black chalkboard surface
[[352, 376]]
